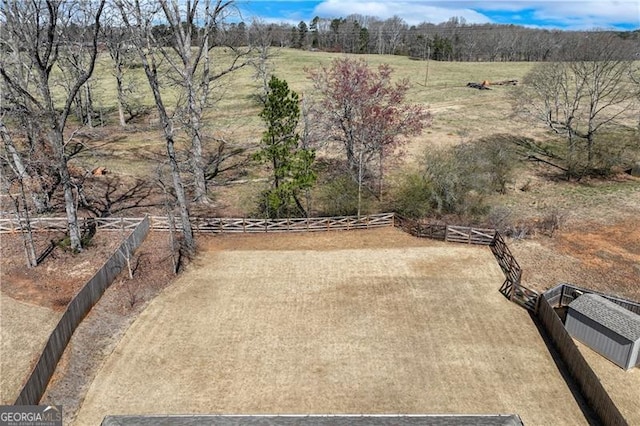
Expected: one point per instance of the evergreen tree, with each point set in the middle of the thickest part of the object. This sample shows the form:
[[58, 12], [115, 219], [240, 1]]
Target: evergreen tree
[[291, 165]]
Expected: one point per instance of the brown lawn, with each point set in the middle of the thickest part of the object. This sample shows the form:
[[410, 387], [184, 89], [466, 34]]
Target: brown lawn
[[358, 322], [24, 330]]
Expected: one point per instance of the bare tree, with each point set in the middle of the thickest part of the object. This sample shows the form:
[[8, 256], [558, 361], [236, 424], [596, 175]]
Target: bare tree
[[261, 39], [196, 27], [38, 33], [364, 113], [12, 161], [116, 40], [580, 98], [138, 17]]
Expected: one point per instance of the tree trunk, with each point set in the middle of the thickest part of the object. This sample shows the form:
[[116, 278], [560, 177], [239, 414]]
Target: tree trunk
[[120, 95], [75, 237], [33, 184], [88, 105], [197, 162], [590, 143], [27, 235], [360, 185], [167, 127], [187, 231]]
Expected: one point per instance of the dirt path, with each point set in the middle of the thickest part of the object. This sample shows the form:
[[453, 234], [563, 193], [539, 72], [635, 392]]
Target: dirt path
[[356, 330]]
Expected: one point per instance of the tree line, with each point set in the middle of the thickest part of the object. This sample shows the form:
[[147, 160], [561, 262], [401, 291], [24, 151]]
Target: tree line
[[453, 40]]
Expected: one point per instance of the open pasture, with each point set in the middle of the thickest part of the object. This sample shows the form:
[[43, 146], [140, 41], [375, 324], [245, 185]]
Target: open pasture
[[353, 322], [458, 112]]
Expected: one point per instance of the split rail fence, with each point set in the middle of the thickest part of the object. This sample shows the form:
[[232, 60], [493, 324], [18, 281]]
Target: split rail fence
[[248, 225], [512, 287]]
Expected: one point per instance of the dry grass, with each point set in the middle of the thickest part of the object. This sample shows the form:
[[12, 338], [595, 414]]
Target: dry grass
[[622, 386], [334, 323], [459, 112], [24, 330]]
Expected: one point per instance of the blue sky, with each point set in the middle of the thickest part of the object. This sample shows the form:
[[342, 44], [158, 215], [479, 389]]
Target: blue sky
[[563, 14]]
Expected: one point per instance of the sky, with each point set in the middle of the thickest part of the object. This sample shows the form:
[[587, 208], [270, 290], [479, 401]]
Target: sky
[[558, 14]]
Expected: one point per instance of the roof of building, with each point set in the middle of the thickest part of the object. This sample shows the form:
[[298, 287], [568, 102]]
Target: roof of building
[[317, 420], [611, 315]]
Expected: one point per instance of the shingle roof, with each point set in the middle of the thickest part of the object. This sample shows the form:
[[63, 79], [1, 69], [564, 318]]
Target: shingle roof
[[611, 315], [316, 420]]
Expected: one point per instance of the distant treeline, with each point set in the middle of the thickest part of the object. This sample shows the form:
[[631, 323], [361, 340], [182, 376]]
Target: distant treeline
[[454, 40]]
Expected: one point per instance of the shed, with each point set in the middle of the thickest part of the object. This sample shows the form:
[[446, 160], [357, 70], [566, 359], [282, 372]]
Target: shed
[[607, 328]]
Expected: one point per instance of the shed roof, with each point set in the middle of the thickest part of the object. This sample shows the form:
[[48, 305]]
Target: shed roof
[[611, 315]]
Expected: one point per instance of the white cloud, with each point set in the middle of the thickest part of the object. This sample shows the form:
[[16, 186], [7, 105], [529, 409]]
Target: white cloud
[[413, 12], [596, 12], [572, 13]]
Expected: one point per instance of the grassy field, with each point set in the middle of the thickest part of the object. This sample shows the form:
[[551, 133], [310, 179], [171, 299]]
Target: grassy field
[[357, 322], [459, 112]]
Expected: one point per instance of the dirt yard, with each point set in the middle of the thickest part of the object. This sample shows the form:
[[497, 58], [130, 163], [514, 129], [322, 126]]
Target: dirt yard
[[359, 322], [603, 258]]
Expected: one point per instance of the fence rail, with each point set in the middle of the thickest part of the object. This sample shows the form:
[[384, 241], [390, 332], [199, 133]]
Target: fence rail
[[39, 224], [249, 225], [211, 225], [434, 231], [464, 234], [512, 286], [563, 294]]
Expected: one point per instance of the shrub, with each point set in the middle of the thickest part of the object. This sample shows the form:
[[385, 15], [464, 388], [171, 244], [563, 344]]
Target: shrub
[[339, 197], [413, 197]]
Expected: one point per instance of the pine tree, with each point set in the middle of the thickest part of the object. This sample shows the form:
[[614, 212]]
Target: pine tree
[[291, 165]]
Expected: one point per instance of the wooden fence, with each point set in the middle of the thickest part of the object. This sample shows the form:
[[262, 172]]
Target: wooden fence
[[579, 368], [511, 288], [464, 234], [434, 231], [77, 309], [39, 224], [248, 225], [564, 293], [444, 232], [213, 225]]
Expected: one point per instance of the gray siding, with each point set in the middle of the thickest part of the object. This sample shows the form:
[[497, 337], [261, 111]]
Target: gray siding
[[601, 339]]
